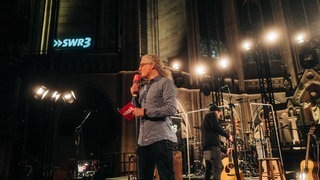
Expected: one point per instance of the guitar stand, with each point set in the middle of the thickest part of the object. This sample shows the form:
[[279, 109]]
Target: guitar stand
[[272, 169]]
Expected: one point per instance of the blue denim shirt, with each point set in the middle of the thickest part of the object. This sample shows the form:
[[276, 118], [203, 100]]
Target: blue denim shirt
[[159, 99]]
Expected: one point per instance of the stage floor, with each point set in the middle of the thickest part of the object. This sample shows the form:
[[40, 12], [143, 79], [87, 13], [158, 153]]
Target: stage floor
[[184, 178], [291, 176]]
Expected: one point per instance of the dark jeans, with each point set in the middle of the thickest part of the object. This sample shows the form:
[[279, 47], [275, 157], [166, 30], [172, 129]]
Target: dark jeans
[[213, 163], [158, 154]]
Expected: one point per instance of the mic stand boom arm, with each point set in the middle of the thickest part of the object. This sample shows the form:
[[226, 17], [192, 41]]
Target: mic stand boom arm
[[78, 134]]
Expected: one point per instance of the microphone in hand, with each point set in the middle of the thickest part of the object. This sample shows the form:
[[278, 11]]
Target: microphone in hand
[[136, 85]]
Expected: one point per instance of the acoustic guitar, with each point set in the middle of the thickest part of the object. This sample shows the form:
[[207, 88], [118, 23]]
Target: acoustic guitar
[[309, 170], [229, 171]]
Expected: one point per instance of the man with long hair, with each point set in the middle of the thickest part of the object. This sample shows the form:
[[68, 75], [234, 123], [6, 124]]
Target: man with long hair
[[157, 100]]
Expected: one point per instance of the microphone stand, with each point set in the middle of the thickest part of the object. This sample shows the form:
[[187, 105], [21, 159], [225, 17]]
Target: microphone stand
[[235, 153], [136, 103], [78, 136]]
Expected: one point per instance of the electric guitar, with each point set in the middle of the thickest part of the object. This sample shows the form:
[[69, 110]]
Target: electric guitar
[[229, 172], [309, 170]]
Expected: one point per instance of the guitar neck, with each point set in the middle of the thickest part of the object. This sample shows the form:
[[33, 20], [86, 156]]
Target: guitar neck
[[230, 153], [308, 148], [308, 145]]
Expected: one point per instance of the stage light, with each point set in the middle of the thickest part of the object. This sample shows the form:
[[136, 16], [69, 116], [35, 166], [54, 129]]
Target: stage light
[[200, 70], [176, 66], [272, 36], [247, 45], [55, 96], [41, 92], [308, 58], [69, 97], [179, 79], [206, 86], [223, 63], [300, 38]]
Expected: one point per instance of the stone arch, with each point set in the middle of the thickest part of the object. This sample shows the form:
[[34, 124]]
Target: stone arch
[[101, 127]]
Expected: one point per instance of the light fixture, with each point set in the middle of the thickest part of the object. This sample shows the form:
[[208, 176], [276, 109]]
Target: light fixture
[[69, 97], [301, 37], [308, 58], [206, 86], [223, 63], [179, 79], [176, 66], [200, 70], [41, 92], [272, 36], [55, 96], [247, 45]]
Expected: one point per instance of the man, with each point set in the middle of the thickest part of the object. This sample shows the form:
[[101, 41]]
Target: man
[[158, 102], [210, 130]]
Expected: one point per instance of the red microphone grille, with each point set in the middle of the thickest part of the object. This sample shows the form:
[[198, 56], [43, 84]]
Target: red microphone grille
[[136, 78]]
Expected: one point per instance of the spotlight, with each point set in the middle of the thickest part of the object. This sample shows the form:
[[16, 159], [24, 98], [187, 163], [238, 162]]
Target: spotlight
[[69, 97], [41, 92], [301, 38], [308, 58], [176, 66], [179, 79], [272, 36], [247, 45], [205, 89], [223, 63], [55, 96], [200, 70], [206, 86]]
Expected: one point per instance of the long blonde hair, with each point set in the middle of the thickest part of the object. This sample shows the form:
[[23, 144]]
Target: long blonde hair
[[159, 65]]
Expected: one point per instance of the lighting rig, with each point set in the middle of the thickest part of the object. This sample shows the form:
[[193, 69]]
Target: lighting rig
[[43, 93], [308, 56]]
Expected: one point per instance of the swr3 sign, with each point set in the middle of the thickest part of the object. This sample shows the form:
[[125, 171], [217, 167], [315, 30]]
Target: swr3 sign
[[75, 42]]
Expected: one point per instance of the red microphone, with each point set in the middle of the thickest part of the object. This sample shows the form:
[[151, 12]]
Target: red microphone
[[136, 79], [136, 82]]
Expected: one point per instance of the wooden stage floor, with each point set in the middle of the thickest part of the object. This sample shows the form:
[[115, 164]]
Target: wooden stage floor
[[291, 176]]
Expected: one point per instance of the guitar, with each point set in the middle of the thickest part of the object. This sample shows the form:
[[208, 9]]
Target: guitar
[[309, 170], [229, 171]]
